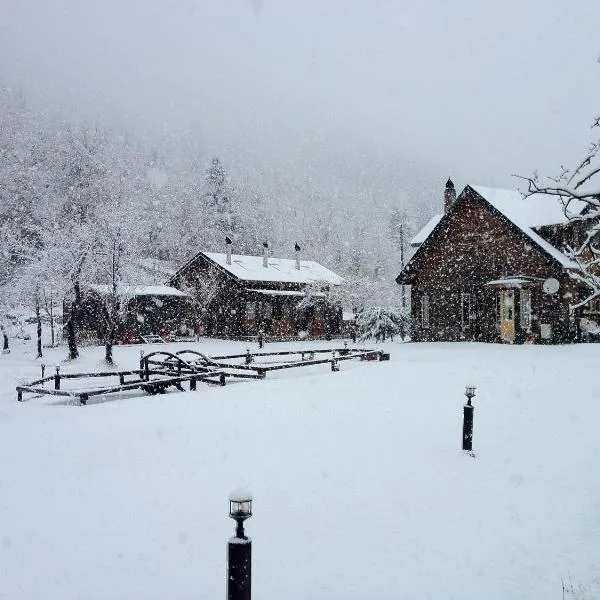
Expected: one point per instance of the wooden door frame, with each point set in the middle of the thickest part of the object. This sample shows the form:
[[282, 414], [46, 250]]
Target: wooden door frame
[[509, 337]]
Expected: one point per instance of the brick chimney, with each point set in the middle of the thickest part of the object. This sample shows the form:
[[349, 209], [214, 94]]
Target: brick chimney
[[449, 195], [228, 243], [297, 249], [265, 254]]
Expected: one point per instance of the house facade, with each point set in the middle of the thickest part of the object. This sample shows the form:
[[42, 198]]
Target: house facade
[[492, 268], [240, 295], [143, 310]]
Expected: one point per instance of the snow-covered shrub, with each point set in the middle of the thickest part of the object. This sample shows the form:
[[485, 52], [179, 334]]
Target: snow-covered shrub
[[381, 323]]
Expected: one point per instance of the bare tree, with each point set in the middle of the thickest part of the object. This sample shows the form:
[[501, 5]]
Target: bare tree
[[578, 189], [202, 291], [117, 242]]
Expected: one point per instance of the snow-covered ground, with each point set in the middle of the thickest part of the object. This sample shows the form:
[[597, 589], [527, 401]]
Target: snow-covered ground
[[360, 487]]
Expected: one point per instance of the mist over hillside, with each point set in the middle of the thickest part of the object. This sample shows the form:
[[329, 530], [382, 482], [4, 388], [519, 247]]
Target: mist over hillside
[[334, 123]]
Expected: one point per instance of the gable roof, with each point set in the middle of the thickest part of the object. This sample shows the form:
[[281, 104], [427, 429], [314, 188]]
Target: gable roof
[[280, 270], [132, 291], [526, 213], [426, 230], [520, 213], [533, 211]]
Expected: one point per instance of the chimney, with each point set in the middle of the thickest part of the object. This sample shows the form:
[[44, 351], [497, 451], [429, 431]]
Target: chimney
[[449, 195], [297, 249], [265, 254], [228, 243]]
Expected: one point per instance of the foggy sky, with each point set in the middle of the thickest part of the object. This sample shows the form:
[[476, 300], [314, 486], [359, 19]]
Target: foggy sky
[[389, 95]]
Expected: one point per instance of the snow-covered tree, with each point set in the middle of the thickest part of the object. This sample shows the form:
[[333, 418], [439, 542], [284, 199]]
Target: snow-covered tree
[[57, 178], [574, 186], [202, 291], [219, 198], [381, 323]]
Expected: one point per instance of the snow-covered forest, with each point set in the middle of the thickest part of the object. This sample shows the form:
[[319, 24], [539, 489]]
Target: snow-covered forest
[[75, 197]]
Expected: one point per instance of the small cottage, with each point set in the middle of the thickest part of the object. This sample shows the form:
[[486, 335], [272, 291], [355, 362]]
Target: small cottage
[[144, 310], [493, 268], [240, 295]]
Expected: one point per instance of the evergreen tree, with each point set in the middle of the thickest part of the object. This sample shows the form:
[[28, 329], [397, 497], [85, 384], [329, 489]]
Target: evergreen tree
[[380, 323]]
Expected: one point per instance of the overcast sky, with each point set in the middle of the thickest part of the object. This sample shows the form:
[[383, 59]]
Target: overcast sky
[[406, 91]]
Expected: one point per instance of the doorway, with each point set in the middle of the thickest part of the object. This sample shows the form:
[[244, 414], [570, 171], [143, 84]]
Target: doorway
[[506, 309]]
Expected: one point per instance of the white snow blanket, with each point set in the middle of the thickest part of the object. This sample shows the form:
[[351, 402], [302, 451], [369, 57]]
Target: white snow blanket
[[360, 487]]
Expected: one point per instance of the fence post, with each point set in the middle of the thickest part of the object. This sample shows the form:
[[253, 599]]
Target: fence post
[[335, 367]]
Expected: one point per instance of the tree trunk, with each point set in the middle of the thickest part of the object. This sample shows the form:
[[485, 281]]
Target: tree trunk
[[38, 318], [70, 325], [52, 320], [108, 354], [111, 334]]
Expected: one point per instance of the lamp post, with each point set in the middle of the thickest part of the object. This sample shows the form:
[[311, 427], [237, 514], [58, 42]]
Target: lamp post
[[57, 378], [469, 409], [248, 358], [239, 548]]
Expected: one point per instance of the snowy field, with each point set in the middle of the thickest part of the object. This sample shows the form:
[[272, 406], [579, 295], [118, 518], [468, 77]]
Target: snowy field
[[360, 487]]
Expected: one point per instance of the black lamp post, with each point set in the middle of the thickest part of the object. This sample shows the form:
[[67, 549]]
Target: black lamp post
[[239, 551], [469, 409], [57, 378]]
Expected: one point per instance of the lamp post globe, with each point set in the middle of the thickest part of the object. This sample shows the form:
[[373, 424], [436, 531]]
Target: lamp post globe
[[240, 508], [469, 393]]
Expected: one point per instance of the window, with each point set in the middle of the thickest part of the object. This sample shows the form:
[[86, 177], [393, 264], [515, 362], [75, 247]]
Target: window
[[508, 305], [525, 309], [250, 310], [267, 310], [498, 310], [425, 311], [465, 310]]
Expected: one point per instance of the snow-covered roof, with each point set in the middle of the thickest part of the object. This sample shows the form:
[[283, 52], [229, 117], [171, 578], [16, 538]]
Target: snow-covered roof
[[284, 293], [283, 270], [426, 230], [138, 290], [524, 215], [533, 211]]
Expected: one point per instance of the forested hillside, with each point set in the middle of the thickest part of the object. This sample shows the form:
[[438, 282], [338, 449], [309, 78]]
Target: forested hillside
[[82, 202]]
